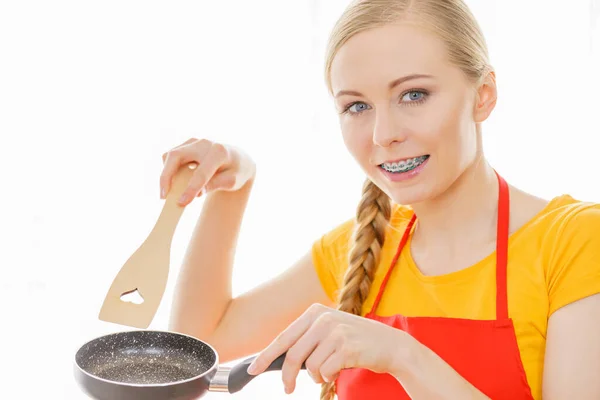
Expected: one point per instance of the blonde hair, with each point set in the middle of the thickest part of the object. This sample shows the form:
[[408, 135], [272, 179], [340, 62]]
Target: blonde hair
[[455, 25]]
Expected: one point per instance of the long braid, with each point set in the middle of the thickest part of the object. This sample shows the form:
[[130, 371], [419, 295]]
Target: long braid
[[372, 217]]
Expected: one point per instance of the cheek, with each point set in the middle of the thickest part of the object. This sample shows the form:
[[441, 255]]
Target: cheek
[[447, 129], [438, 124], [357, 134]]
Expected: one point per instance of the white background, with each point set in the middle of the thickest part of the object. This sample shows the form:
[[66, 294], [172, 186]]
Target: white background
[[92, 93]]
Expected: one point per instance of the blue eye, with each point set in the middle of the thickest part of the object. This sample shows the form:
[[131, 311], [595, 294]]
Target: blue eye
[[413, 96], [357, 107]]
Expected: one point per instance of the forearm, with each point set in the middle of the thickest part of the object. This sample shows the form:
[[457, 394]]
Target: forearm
[[203, 289], [424, 375]]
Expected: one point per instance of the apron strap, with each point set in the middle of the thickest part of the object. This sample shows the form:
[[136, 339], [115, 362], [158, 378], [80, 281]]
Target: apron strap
[[502, 249], [394, 261], [501, 253]]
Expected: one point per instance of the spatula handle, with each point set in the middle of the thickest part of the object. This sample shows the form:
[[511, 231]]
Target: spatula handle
[[172, 211]]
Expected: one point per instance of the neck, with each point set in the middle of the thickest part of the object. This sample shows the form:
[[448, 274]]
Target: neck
[[466, 214]]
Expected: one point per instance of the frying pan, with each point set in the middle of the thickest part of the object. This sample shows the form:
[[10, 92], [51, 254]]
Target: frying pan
[[156, 365]]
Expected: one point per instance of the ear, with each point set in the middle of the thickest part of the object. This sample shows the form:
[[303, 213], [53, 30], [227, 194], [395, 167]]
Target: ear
[[486, 98]]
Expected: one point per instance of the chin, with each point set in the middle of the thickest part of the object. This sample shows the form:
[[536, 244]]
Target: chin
[[410, 195]]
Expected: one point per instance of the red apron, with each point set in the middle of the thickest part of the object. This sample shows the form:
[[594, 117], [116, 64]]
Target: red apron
[[484, 352]]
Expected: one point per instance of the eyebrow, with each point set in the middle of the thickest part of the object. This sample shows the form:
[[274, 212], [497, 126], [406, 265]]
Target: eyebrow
[[391, 85]]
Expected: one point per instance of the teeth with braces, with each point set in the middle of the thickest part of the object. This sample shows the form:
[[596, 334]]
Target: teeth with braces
[[405, 165]]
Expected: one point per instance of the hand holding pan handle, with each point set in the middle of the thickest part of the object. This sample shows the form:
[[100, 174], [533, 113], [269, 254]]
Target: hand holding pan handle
[[233, 380]]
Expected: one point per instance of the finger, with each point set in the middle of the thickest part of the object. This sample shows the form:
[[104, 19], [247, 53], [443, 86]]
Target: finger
[[300, 351], [208, 167], [190, 150], [319, 355], [279, 346], [189, 141], [284, 340], [174, 160], [331, 367]]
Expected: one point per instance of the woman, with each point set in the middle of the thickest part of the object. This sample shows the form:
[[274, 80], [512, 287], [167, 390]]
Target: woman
[[448, 283]]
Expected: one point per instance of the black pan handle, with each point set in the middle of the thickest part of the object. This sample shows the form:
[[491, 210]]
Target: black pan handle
[[239, 376]]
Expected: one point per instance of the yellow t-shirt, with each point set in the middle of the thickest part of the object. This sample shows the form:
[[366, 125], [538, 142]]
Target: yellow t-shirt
[[553, 260]]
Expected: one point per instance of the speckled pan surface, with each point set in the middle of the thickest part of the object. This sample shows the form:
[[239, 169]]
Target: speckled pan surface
[[145, 357]]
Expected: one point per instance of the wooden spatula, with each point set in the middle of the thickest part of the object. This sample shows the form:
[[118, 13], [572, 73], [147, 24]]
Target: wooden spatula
[[146, 271]]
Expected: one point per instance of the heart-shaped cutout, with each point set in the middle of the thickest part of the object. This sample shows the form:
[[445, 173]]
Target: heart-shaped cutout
[[133, 296]]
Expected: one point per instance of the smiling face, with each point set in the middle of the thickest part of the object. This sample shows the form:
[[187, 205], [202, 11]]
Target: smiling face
[[407, 115]]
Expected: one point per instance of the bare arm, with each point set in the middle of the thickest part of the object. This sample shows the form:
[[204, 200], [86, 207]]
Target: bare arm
[[255, 318], [203, 306], [572, 362], [203, 290]]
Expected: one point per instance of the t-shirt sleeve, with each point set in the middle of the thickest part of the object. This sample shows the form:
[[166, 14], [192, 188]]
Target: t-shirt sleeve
[[574, 269], [330, 257]]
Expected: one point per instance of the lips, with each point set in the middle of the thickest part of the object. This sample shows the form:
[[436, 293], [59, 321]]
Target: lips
[[405, 170]]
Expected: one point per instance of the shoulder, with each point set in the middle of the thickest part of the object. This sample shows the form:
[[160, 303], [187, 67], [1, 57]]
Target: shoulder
[[568, 221], [570, 250], [563, 215], [579, 216]]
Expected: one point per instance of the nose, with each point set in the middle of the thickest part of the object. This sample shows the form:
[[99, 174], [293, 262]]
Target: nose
[[387, 131]]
